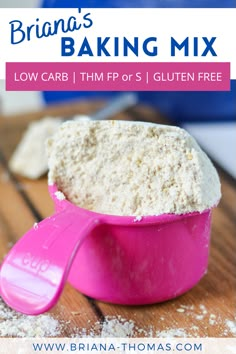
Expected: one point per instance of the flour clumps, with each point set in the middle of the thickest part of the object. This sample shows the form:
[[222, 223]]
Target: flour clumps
[[13, 324], [29, 158], [60, 195], [133, 169]]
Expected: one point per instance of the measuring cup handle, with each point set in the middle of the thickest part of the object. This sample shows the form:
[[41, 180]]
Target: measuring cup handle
[[35, 270]]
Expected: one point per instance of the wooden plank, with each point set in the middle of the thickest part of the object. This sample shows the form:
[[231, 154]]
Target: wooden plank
[[15, 219], [74, 312], [62, 110], [14, 213], [37, 191], [193, 312], [228, 195]]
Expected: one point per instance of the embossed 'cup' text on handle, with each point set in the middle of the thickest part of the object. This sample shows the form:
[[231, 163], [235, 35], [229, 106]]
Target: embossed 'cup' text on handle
[[34, 272]]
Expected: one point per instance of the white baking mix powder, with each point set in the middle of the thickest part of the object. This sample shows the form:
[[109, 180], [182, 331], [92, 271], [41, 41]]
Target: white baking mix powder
[[13, 324], [30, 159], [128, 168]]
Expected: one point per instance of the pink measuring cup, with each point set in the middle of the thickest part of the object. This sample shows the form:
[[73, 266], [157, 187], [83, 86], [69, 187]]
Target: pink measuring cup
[[117, 259]]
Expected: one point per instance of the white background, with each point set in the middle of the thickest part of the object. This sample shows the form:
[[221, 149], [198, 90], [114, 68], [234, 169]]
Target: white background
[[209, 135], [130, 23]]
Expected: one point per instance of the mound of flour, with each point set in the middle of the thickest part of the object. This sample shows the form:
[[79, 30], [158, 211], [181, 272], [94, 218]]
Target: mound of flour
[[125, 168]]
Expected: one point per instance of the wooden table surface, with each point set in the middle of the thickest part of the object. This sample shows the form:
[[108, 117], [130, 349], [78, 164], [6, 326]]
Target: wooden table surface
[[204, 311]]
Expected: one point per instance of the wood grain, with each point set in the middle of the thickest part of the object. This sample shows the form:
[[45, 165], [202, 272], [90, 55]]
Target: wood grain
[[203, 311]]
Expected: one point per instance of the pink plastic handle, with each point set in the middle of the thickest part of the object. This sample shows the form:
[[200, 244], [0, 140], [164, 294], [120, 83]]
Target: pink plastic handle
[[34, 272]]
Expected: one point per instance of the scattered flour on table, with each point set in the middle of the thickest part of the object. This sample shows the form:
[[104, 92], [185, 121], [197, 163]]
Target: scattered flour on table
[[231, 326], [13, 324], [133, 169], [199, 315], [113, 327], [171, 333], [117, 327]]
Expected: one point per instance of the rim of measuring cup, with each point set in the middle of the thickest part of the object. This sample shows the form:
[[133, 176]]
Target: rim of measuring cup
[[120, 219]]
